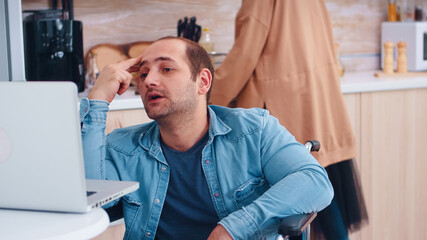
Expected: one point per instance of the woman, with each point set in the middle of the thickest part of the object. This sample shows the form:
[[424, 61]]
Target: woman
[[283, 60]]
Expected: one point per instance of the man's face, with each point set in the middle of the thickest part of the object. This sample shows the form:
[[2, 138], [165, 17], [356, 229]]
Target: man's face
[[165, 83]]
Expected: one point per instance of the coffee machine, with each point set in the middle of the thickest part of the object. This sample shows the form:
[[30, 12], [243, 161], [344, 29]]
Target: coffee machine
[[53, 43]]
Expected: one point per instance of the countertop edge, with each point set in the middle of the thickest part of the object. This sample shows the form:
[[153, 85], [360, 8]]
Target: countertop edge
[[360, 82]]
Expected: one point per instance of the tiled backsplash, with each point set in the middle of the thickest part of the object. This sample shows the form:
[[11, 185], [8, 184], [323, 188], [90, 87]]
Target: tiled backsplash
[[356, 23]]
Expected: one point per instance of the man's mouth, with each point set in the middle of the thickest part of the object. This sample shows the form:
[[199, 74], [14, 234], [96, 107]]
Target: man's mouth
[[154, 96]]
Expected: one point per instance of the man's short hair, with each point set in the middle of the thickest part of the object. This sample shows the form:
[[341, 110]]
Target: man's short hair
[[198, 59]]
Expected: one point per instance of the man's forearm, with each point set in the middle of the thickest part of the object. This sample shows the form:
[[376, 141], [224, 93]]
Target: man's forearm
[[301, 192], [93, 115]]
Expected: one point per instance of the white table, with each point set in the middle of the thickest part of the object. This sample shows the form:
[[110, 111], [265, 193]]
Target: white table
[[20, 224]]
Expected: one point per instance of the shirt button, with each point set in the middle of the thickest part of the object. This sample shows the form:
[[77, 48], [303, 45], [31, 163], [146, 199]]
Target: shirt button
[[163, 169], [207, 161], [157, 201], [216, 194], [147, 234]]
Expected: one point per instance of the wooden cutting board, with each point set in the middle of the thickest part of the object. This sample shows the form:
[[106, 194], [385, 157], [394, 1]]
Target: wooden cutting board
[[107, 53]]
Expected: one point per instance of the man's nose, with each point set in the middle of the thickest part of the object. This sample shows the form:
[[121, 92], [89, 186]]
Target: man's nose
[[151, 79]]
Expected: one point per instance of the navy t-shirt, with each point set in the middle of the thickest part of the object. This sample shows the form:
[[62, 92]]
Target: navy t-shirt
[[188, 211]]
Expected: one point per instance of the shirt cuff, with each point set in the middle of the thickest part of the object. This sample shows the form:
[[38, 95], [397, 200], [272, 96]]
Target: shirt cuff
[[238, 221], [92, 106]]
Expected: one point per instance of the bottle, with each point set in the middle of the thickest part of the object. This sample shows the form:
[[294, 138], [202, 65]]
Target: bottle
[[339, 63], [92, 72], [419, 14], [398, 14], [206, 41], [408, 11], [392, 13]]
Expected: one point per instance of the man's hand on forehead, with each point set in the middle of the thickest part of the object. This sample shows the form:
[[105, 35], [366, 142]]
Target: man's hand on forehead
[[114, 79], [134, 68], [131, 65]]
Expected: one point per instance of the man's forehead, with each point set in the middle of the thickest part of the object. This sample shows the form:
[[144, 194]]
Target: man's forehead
[[164, 50], [157, 59]]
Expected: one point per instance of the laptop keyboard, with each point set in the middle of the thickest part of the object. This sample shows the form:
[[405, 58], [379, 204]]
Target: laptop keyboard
[[88, 193]]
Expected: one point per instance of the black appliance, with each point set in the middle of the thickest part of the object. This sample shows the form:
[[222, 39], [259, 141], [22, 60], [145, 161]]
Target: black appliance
[[54, 45]]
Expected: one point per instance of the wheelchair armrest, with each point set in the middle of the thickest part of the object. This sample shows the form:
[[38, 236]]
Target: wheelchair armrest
[[296, 224], [312, 146]]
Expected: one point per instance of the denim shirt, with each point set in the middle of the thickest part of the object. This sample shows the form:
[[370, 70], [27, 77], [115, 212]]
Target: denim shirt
[[257, 173]]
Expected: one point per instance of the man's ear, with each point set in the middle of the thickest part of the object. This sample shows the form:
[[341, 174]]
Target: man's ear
[[205, 81]]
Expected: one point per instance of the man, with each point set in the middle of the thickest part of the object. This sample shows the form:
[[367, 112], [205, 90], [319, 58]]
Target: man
[[205, 172]]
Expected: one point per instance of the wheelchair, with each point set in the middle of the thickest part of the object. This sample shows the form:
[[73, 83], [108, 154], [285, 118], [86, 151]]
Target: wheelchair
[[295, 227]]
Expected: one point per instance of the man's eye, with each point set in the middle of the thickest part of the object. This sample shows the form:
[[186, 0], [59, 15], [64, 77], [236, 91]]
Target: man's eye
[[143, 75], [167, 69]]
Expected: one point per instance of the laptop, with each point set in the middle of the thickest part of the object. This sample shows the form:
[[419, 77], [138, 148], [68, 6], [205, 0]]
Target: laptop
[[41, 158]]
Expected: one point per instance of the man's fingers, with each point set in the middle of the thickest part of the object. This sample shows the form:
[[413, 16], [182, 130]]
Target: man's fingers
[[126, 64], [134, 68], [123, 87], [125, 83]]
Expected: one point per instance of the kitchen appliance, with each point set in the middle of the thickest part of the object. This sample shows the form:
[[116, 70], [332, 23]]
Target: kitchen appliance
[[54, 45], [415, 36]]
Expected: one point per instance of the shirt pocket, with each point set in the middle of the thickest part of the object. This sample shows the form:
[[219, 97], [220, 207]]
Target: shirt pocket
[[131, 209], [249, 191]]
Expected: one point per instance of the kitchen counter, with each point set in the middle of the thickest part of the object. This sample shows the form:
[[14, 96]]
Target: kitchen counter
[[128, 100], [351, 82], [359, 82]]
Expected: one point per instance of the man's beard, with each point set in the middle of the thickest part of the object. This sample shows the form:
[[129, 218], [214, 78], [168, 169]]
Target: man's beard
[[185, 105]]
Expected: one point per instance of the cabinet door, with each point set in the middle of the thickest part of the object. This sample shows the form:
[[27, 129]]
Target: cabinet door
[[352, 102], [393, 163]]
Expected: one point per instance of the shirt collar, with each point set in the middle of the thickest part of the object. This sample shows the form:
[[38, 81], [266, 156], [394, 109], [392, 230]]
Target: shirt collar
[[150, 138]]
